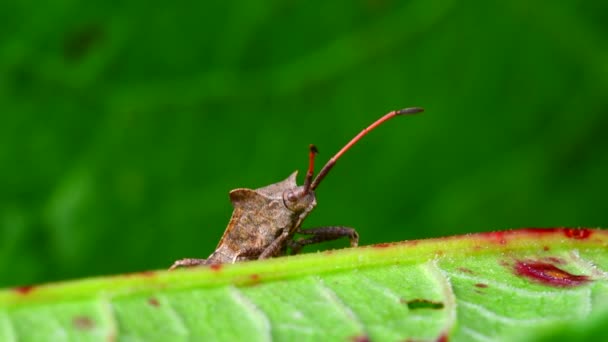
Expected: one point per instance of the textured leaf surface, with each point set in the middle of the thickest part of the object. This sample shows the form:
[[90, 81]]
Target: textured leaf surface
[[465, 288]]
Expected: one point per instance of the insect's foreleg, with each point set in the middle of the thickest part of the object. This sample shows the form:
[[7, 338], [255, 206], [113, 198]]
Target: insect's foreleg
[[276, 246], [188, 263], [323, 234], [250, 253]]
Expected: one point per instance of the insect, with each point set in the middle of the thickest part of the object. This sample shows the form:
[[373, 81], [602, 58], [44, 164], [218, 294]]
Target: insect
[[265, 220]]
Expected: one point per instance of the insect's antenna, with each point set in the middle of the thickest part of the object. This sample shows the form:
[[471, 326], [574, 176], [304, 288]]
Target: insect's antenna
[[332, 161], [311, 167]]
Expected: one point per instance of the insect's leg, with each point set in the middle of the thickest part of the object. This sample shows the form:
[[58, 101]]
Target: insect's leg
[[188, 263], [276, 246], [250, 253], [323, 234]]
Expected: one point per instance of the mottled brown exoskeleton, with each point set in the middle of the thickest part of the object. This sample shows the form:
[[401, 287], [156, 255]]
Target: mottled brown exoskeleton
[[265, 220]]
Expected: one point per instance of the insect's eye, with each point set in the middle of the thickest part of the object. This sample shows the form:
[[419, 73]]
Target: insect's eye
[[291, 197]]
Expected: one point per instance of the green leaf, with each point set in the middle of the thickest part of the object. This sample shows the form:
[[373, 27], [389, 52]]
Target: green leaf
[[481, 287]]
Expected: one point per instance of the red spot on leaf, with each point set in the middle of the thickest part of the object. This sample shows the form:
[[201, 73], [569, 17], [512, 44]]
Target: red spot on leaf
[[443, 338], [83, 323], [549, 274], [153, 301], [362, 338], [482, 285], [497, 237], [546, 248], [540, 230], [579, 234], [24, 290], [381, 245], [215, 267]]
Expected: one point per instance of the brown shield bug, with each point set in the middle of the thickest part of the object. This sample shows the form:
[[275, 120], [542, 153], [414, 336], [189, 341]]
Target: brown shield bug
[[265, 220]]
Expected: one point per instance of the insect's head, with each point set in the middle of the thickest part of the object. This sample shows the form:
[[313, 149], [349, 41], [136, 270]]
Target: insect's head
[[300, 198]]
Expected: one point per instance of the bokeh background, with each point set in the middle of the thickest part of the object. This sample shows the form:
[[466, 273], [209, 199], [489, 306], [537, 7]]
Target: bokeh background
[[124, 125]]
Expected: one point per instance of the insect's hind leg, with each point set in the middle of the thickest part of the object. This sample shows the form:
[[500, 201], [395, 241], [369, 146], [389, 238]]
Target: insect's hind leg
[[188, 262], [323, 234]]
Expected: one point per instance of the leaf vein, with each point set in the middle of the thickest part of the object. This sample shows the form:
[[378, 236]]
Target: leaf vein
[[9, 327], [254, 311], [482, 310], [107, 312], [177, 317], [476, 334], [331, 295]]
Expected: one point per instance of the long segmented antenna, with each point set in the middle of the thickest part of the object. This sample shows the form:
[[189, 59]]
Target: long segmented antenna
[[334, 159]]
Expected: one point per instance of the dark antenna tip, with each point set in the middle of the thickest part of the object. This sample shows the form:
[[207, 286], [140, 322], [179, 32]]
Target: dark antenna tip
[[332, 161], [411, 110], [313, 149]]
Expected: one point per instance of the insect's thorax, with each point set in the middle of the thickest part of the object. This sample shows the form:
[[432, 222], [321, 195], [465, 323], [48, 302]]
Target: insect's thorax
[[260, 216]]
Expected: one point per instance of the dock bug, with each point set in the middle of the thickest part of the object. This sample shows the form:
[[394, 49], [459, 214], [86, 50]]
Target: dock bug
[[265, 220]]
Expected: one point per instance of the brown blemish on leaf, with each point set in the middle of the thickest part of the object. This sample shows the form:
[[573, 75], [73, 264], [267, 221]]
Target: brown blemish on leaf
[[546, 248], [83, 323], [24, 290], [254, 278], [251, 280], [555, 260], [153, 301], [548, 274], [407, 243], [215, 267], [422, 304], [579, 234], [465, 270], [481, 285], [381, 245], [362, 338]]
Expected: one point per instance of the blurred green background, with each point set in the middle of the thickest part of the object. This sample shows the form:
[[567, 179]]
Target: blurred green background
[[124, 125]]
